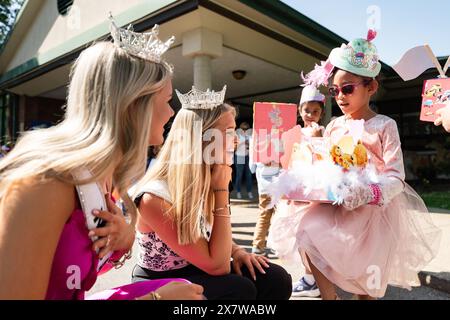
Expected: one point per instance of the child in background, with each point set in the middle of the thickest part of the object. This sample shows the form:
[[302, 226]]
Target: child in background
[[311, 110], [241, 160], [265, 172]]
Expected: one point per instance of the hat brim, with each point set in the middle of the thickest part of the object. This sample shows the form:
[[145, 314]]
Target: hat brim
[[313, 99]]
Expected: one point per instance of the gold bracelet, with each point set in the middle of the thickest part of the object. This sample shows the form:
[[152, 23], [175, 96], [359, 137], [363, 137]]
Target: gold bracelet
[[220, 209], [221, 190], [222, 215]]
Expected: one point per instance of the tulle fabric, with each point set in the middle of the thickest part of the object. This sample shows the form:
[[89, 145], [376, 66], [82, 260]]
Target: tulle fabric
[[364, 250]]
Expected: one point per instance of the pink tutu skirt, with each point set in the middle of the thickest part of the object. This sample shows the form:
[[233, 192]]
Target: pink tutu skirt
[[360, 251]]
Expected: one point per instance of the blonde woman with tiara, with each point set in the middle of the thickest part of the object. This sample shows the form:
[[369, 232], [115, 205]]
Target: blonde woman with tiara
[[118, 103], [184, 228]]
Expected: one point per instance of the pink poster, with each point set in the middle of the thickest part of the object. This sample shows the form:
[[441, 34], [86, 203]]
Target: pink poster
[[270, 121], [436, 93], [300, 150]]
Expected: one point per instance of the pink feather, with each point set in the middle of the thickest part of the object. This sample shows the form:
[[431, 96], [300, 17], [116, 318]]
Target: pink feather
[[320, 75], [371, 34]]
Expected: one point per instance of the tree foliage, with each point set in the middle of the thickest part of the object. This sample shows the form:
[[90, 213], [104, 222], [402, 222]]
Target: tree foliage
[[8, 13]]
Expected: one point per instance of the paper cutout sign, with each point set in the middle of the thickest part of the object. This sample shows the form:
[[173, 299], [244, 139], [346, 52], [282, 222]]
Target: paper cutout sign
[[435, 92], [290, 138], [305, 151], [435, 95], [416, 61], [312, 160], [304, 155], [299, 147], [270, 121]]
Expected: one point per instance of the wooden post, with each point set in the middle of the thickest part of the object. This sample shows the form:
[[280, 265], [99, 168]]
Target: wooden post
[[435, 61], [447, 65]]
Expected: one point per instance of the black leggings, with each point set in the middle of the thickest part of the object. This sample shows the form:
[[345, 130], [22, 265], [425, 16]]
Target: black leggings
[[276, 284]]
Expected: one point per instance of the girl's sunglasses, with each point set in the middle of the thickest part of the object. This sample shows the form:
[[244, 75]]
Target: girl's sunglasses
[[346, 89]]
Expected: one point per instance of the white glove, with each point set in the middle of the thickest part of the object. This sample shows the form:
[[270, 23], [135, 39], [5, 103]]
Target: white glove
[[376, 194], [358, 196]]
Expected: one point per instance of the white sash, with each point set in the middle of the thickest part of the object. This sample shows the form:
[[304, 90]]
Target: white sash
[[91, 197]]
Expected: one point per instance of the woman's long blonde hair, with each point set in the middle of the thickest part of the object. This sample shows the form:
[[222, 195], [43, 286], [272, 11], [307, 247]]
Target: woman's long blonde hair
[[106, 126], [180, 163]]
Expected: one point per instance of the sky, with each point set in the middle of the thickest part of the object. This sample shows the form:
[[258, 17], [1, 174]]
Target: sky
[[401, 24]]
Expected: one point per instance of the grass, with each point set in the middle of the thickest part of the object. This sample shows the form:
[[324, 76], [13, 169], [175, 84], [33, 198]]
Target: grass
[[437, 199]]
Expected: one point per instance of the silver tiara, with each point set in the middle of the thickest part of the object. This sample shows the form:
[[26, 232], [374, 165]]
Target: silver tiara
[[197, 99], [143, 45]]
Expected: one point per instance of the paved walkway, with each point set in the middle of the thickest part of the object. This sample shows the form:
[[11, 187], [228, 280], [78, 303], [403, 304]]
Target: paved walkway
[[437, 272], [436, 275]]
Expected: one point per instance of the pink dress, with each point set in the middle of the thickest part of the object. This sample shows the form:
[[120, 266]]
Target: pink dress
[[364, 250], [74, 268]]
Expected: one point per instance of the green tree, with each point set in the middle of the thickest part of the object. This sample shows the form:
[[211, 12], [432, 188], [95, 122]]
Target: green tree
[[8, 13]]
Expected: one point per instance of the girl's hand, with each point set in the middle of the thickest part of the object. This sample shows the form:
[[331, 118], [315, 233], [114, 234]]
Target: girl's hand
[[177, 291], [220, 176], [357, 197], [315, 130], [251, 261], [116, 235], [443, 117]]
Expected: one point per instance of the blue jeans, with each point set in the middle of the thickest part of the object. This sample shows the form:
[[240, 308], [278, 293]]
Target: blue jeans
[[241, 169]]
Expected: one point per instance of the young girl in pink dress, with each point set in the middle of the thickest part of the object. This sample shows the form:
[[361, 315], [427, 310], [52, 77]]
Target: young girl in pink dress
[[382, 234], [118, 104]]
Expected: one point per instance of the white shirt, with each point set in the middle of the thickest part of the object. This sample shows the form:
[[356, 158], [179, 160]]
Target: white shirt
[[264, 174], [244, 138]]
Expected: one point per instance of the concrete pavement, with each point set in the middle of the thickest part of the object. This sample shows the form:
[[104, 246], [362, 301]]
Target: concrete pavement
[[435, 276]]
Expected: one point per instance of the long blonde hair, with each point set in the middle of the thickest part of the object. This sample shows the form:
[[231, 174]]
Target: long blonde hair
[[106, 125], [181, 164]]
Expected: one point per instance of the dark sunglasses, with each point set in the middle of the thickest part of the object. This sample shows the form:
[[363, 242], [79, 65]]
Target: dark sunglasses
[[346, 89]]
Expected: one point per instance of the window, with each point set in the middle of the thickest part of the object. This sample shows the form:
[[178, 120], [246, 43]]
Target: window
[[8, 117], [64, 6]]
